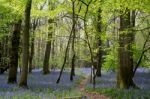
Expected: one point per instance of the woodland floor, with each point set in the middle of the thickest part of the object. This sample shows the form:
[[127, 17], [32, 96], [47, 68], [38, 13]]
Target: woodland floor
[[106, 86], [45, 87]]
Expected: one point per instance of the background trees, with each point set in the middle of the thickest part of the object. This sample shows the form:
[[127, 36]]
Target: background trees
[[107, 34]]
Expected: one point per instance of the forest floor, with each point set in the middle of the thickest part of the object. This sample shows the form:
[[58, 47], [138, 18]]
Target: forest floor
[[45, 87], [40, 86], [106, 85], [89, 95]]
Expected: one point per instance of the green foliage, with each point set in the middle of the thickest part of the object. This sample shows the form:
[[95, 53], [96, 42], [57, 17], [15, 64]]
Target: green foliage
[[61, 12], [41, 93], [115, 93], [111, 58], [10, 12]]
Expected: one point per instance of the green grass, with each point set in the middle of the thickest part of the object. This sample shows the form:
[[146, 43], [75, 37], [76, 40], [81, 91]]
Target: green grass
[[115, 93], [19, 93], [42, 95], [68, 93]]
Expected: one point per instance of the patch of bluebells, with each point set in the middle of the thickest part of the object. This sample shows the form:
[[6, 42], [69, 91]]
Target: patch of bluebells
[[39, 85], [108, 79]]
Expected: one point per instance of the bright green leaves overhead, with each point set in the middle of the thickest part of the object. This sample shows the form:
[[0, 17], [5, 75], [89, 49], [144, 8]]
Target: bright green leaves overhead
[[58, 10], [141, 5], [146, 6], [38, 7], [18, 6], [42, 8], [11, 10]]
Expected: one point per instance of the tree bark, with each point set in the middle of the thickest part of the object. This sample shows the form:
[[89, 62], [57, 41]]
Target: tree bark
[[73, 41], [31, 54], [0, 54], [12, 78], [99, 43], [24, 73], [125, 70], [48, 48], [53, 55], [65, 58], [32, 46]]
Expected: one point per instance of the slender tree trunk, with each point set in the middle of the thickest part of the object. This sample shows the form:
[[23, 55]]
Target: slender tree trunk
[[65, 58], [48, 49], [73, 41], [32, 46], [0, 53], [31, 54], [24, 73], [38, 52], [53, 55], [99, 59], [5, 53], [0, 58], [99, 43], [12, 78]]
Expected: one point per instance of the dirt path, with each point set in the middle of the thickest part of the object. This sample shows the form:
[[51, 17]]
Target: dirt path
[[90, 95]]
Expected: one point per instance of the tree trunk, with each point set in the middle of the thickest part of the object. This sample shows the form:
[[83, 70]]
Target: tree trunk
[[32, 46], [5, 52], [125, 70], [38, 52], [65, 58], [12, 78], [99, 43], [99, 59], [73, 42], [31, 54], [0, 54], [48, 49], [132, 25], [24, 73], [53, 55]]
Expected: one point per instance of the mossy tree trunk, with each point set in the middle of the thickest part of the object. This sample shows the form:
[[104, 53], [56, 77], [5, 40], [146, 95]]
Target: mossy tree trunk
[[24, 73], [48, 48], [12, 78], [125, 70], [31, 55], [99, 42]]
